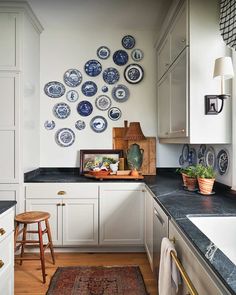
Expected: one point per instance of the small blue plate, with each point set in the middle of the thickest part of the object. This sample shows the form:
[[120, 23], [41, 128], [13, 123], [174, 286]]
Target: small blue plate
[[120, 57], [84, 108], [98, 124], [89, 88], [54, 89], [61, 110], [103, 102], [120, 93], [103, 52], [104, 88], [93, 68], [65, 137], [72, 77], [49, 125], [133, 73], [72, 95], [128, 42], [114, 113], [80, 125], [111, 76], [137, 54]]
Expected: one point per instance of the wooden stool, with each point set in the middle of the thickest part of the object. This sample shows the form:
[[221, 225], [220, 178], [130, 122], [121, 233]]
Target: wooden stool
[[30, 218]]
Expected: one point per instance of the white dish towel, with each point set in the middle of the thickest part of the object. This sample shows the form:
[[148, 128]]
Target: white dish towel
[[169, 276]]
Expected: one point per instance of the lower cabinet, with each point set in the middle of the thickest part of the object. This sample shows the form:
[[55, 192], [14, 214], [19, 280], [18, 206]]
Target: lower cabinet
[[121, 214]]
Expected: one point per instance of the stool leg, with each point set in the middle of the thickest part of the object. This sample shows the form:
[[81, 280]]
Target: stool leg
[[16, 235], [41, 251], [23, 244], [50, 240]]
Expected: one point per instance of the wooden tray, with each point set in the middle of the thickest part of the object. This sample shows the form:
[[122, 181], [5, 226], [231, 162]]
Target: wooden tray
[[114, 177]]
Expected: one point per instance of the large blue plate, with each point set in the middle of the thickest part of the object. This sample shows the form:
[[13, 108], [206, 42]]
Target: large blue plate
[[61, 110], [111, 75], [84, 108], [133, 73], [120, 93], [93, 68], [128, 42], [72, 77], [65, 137], [120, 57], [54, 89], [98, 124], [89, 88]]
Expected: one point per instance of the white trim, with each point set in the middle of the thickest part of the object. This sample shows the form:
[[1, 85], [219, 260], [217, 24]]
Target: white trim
[[234, 123]]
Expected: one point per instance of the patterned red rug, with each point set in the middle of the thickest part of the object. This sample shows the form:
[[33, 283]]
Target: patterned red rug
[[97, 280]]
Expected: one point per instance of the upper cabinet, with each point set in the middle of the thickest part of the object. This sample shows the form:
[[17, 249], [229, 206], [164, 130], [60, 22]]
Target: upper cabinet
[[186, 52]]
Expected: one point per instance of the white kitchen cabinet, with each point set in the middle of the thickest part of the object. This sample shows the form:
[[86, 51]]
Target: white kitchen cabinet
[[164, 58], [121, 214], [148, 229], [199, 273], [10, 192]]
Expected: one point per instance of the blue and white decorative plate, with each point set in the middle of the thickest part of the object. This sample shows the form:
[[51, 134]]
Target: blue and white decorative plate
[[104, 88], [89, 88], [120, 57], [111, 76], [80, 125], [84, 108], [137, 54], [114, 113], [133, 73], [128, 42], [65, 137], [61, 110], [222, 161], [54, 89], [210, 157], [72, 95], [192, 156], [49, 125], [72, 77], [103, 102], [93, 68], [185, 152], [98, 124], [103, 52], [120, 93]]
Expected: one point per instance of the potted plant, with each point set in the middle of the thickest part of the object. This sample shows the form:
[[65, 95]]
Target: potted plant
[[184, 175], [191, 179], [206, 178]]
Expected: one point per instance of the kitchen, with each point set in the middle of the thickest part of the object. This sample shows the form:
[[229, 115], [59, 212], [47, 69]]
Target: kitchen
[[53, 37]]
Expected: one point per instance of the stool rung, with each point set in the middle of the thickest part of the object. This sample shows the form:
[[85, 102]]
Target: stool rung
[[36, 232], [27, 258], [28, 241]]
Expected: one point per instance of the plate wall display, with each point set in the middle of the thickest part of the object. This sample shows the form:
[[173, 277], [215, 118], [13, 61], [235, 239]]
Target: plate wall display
[[128, 42], [120, 93], [104, 88], [103, 52], [73, 77], [181, 160], [54, 89], [65, 137], [103, 102], [49, 125], [89, 88], [61, 110], [85, 108], [80, 125], [111, 75], [210, 157], [137, 54], [192, 157], [98, 124], [133, 73], [222, 161], [93, 68], [120, 57], [72, 95], [114, 113], [185, 152]]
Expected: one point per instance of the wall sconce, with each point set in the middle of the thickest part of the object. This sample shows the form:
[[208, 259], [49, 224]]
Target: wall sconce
[[223, 70]]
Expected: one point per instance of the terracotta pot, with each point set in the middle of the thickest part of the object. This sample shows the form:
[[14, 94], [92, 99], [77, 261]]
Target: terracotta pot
[[184, 176], [206, 185], [191, 183]]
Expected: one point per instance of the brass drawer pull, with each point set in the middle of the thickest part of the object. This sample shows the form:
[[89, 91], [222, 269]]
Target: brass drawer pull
[[63, 204], [2, 231], [58, 204], [61, 193], [1, 263]]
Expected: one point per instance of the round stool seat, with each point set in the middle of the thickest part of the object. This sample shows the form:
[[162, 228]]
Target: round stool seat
[[32, 217]]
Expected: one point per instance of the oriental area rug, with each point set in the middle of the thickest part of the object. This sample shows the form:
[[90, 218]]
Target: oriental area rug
[[97, 280]]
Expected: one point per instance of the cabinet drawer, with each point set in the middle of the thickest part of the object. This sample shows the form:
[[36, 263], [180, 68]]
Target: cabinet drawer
[[6, 254], [6, 224], [61, 190]]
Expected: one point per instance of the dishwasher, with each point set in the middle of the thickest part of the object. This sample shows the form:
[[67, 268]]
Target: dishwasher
[[160, 230]]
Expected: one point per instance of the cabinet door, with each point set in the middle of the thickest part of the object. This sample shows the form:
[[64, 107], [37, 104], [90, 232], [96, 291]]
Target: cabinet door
[[53, 207], [163, 58], [121, 215], [178, 33], [178, 101], [80, 222], [164, 106], [148, 233]]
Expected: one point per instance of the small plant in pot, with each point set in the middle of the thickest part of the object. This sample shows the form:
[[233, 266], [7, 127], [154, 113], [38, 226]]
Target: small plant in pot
[[184, 175], [206, 178], [191, 179]]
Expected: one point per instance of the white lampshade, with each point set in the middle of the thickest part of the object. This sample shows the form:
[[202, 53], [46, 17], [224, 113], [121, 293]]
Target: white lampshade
[[223, 68]]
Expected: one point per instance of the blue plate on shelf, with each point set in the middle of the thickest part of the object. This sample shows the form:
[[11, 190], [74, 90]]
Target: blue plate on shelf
[[72, 95], [72, 77], [80, 125], [104, 88], [111, 75], [93, 68], [222, 161], [103, 52], [103, 102], [84, 108], [49, 125], [210, 157], [120, 57], [128, 42], [54, 89], [98, 124], [65, 137], [89, 88], [133, 73], [120, 93], [61, 110], [114, 113]]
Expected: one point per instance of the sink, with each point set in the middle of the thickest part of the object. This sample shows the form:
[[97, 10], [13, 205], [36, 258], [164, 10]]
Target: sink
[[221, 230]]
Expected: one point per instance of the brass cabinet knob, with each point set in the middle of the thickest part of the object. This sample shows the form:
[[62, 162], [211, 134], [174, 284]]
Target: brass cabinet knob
[[2, 231], [61, 193], [63, 204], [1, 263], [58, 204]]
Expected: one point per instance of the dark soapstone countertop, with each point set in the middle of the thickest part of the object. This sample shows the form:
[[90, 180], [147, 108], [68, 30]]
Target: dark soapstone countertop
[[5, 205]]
